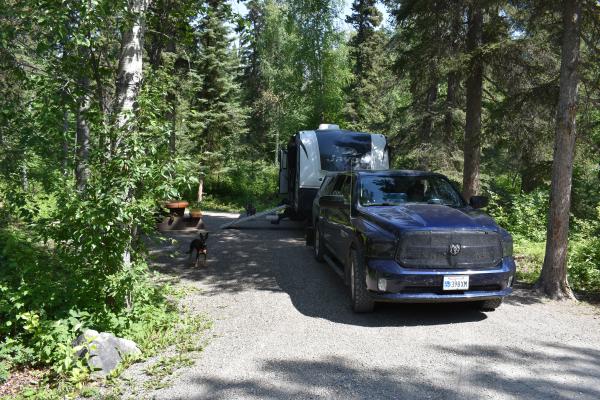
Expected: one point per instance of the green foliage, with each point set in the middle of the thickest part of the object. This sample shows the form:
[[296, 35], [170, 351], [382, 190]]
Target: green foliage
[[244, 181], [296, 70], [524, 214], [529, 256], [217, 99], [584, 255]]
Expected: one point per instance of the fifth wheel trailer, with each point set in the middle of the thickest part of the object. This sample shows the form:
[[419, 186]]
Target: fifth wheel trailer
[[310, 155]]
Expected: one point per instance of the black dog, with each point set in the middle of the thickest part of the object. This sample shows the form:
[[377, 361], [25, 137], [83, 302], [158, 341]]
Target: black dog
[[250, 209], [199, 244]]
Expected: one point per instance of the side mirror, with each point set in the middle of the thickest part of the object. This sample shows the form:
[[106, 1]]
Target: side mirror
[[332, 201], [479, 201]]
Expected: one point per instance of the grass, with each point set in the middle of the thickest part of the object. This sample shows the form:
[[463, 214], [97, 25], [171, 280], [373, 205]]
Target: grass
[[529, 256]]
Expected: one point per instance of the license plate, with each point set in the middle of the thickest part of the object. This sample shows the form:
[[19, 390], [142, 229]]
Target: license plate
[[456, 282]]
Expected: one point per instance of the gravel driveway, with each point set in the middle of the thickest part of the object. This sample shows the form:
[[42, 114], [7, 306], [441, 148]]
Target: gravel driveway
[[283, 329]]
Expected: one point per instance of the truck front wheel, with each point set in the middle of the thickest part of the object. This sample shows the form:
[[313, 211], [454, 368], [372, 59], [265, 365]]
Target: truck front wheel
[[359, 295]]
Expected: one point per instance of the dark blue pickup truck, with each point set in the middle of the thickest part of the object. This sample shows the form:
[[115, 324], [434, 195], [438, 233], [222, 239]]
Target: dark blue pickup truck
[[409, 236]]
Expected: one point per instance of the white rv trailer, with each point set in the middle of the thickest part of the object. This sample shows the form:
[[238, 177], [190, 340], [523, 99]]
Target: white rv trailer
[[310, 155]]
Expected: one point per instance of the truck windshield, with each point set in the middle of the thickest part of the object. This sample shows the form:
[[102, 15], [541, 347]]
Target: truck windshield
[[342, 151], [397, 190]]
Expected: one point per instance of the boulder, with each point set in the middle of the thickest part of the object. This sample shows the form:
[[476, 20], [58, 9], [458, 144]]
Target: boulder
[[104, 351]]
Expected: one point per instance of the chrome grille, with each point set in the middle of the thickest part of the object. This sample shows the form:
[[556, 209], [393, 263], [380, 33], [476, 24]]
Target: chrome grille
[[435, 249]]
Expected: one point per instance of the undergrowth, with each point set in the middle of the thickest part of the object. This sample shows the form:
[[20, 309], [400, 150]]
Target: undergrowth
[[45, 304], [525, 217]]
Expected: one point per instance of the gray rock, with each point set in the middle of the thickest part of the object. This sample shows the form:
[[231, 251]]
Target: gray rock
[[104, 351]]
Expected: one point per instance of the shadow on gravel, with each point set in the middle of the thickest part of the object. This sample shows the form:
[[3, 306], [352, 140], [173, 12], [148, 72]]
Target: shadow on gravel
[[554, 371], [523, 295], [332, 377]]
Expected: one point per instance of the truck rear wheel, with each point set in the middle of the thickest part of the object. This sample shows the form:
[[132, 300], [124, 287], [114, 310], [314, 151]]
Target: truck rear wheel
[[359, 295]]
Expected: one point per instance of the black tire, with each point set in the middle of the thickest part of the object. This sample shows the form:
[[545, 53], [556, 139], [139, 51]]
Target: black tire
[[359, 295], [310, 236], [319, 246], [489, 305]]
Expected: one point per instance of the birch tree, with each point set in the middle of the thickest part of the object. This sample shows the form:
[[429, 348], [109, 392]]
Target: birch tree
[[130, 69], [128, 85]]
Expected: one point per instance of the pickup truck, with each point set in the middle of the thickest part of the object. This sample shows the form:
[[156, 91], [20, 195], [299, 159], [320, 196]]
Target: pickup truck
[[409, 236]]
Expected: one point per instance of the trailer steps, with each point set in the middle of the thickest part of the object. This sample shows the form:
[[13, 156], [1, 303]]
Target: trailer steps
[[240, 220]]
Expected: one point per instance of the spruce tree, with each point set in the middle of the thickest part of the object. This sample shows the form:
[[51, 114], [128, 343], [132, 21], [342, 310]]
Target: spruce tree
[[218, 99], [367, 58]]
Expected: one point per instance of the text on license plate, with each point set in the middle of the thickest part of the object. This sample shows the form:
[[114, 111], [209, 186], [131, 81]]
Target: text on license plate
[[456, 282]]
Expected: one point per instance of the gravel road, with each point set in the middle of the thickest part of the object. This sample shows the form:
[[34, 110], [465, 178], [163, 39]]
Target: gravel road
[[283, 329]]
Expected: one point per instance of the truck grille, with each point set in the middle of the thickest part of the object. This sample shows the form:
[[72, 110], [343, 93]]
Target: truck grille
[[450, 249]]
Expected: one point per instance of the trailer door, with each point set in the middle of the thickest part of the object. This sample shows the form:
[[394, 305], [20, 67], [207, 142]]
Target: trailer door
[[283, 172]]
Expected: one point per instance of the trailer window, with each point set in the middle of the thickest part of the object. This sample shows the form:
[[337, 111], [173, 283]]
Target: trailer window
[[342, 151]]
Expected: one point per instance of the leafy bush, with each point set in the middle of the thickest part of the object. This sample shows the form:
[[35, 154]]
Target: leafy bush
[[45, 304], [584, 255], [524, 214], [63, 272]]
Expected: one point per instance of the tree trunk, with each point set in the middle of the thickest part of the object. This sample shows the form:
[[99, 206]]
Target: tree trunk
[[82, 171], [553, 279], [24, 177], [65, 142], [427, 123], [528, 168], [451, 95], [472, 145], [129, 81], [453, 77], [130, 69], [103, 101], [200, 188], [172, 117]]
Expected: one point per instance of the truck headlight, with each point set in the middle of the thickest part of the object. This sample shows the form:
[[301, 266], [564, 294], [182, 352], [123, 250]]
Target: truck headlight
[[381, 248]]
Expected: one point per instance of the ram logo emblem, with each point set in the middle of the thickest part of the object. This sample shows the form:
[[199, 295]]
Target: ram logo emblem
[[454, 249]]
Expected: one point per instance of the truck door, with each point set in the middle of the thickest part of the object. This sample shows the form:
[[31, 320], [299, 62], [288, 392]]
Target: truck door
[[328, 228], [341, 229], [283, 172]]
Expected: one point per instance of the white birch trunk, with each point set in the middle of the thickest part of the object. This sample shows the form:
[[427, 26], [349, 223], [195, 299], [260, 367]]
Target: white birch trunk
[[130, 69], [129, 81]]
